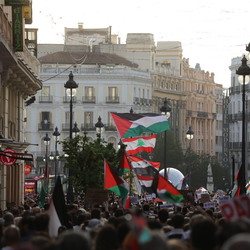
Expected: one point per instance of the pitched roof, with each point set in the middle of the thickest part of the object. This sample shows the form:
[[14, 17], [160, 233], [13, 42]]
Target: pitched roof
[[63, 57]]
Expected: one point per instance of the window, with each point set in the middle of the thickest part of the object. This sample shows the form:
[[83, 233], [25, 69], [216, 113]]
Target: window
[[45, 120], [89, 94], [112, 91], [67, 117], [45, 91], [113, 94], [111, 122], [88, 120], [45, 94]]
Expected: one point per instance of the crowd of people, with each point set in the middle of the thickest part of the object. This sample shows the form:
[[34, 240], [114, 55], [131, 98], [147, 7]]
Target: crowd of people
[[148, 225]]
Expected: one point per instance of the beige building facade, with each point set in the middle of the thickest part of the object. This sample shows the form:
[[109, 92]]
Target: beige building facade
[[191, 92], [18, 81]]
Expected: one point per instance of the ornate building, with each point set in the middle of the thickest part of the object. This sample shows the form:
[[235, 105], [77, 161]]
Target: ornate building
[[18, 81]]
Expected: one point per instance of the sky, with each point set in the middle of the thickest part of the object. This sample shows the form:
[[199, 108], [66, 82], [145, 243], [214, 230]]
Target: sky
[[212, 32]]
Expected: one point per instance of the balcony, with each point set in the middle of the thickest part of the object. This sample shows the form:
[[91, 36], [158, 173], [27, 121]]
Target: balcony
[[136, 100], [112, 99], [202, 114], [110, 127], [88, 99], [66, 99], [45, 127], [46, 99], [87, 127], [65, 126], [189, 113]]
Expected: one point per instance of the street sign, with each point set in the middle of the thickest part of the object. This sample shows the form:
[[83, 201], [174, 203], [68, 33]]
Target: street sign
[[8, 161], [27, 169]]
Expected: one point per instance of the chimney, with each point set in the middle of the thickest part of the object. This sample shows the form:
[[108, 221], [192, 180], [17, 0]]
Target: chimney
[[80, 26]]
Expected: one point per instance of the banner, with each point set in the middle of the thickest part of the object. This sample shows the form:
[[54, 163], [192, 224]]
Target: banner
[[238, 207]]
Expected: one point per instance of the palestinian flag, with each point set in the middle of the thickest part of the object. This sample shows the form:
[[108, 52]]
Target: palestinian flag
[[113, 182], [239, 187], [138, 144], [133, 125], [57, 210], [124, 165], [167, 192]]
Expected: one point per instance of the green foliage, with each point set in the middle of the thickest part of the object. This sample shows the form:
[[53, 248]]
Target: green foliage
[[196, 167], [85, 161], [174, 155], [190, 163]]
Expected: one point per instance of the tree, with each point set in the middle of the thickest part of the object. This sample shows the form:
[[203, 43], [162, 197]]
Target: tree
[[86, 161], [174, 155]]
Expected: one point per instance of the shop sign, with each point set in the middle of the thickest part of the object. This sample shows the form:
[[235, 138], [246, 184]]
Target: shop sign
[[27, 169], [8, 161], [17, 28], [17, 2], [29, 187]]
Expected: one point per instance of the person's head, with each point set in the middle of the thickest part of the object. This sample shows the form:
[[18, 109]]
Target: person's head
[[76, 240], [239, 241], [146, 207], [96, 213], [42, 242], [106, 238], [119, 212], [163, 215], [42, 222], [27, 224], [177, 220], [203, 234], [8, 219], [156, 242], [177, 244], [11, 235]]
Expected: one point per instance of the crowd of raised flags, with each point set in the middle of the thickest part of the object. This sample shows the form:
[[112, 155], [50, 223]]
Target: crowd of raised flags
[[130, 127], [147, 173]]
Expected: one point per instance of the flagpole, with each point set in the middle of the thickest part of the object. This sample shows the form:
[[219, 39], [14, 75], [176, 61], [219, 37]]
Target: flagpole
[[165, 110]]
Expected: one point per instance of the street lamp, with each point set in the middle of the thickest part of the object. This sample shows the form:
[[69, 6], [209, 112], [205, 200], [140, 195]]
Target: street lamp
[[99, 126], [165, 110], [120, 145], [243, 72], [190, 135], [75, 130], [56, 134], [71, 87], [46, 140]]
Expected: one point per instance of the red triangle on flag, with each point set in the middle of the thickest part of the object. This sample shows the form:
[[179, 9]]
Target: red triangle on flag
[[122, 125], [111, 179]]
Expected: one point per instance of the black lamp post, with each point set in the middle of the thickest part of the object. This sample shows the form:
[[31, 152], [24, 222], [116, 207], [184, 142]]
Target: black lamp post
[[190, 135], [71, 86], [165, 110], [75, 130], [243, 71], [46, 140], [99, 126], [56, 134]]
